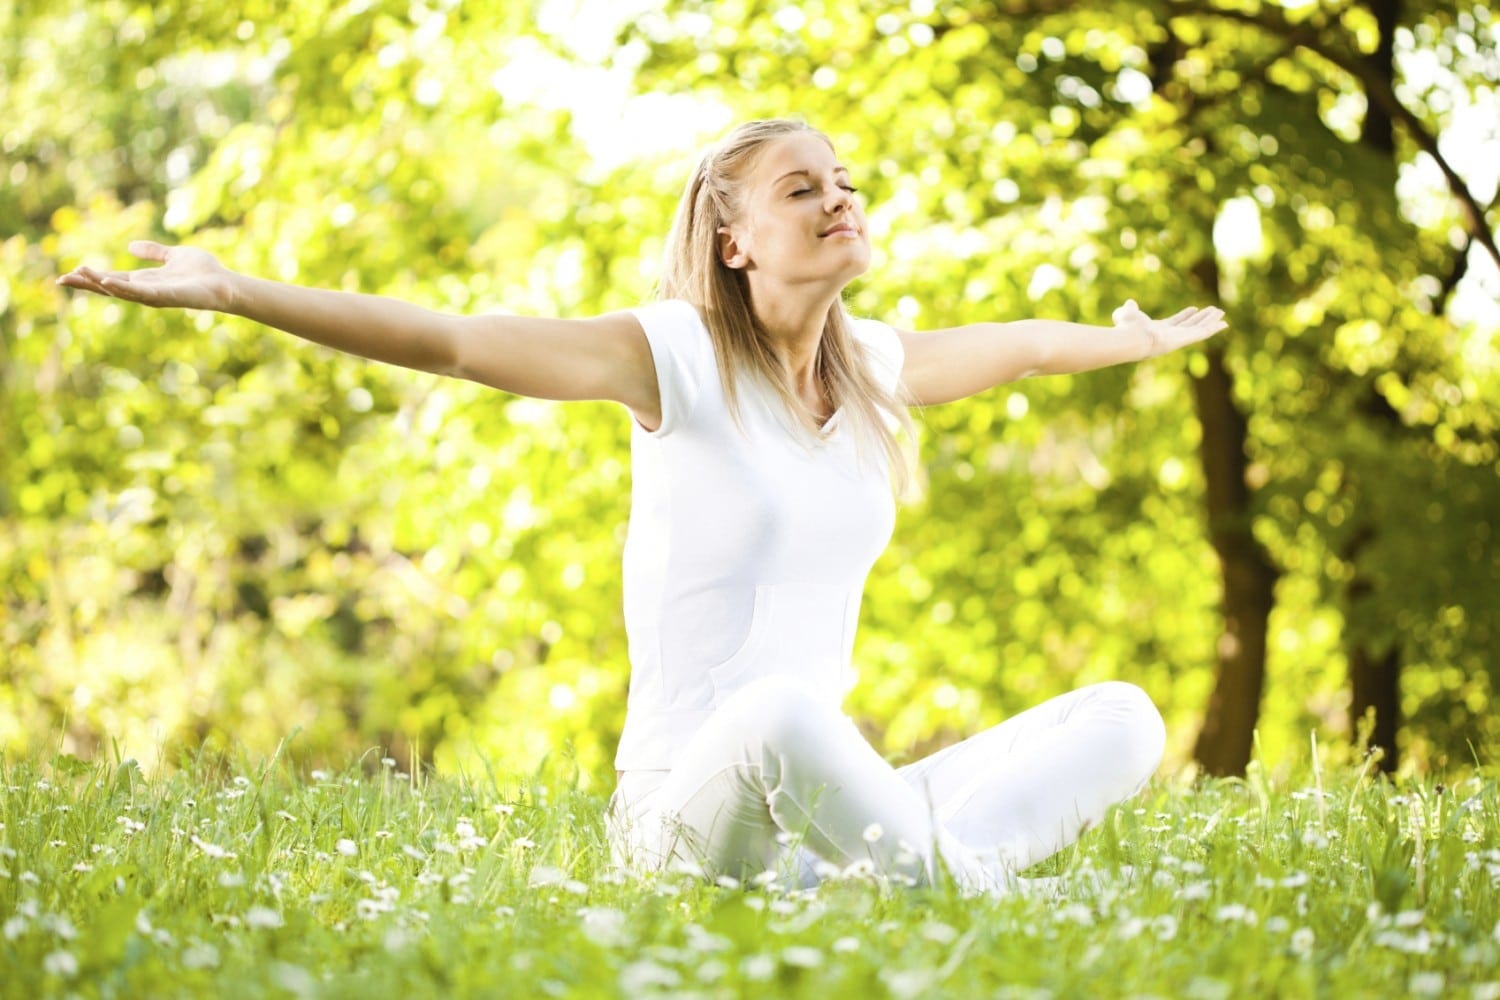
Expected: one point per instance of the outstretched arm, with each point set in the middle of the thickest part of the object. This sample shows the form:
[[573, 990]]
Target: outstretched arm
[[605, 357], [947, 365]]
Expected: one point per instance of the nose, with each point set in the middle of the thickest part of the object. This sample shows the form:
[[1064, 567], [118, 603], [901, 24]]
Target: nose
[[840, 200]]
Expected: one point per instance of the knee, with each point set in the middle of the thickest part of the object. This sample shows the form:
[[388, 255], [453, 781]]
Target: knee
[[1143, 733], [782, 711]]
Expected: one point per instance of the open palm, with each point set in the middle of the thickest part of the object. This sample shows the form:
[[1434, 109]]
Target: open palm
[[1186, 327], [189, 278]]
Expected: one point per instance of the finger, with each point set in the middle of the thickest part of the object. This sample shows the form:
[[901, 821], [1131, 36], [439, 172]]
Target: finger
[[117, 275], [148, 250], [75, 280], [1197, 317], [97, 276], [71, 280], [120, 288], [1206, 329]]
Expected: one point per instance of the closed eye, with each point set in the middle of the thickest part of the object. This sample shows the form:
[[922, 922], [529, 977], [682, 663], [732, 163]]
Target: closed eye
[[801, 191]]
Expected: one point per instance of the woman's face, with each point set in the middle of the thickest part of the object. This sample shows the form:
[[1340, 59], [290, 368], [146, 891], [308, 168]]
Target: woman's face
[[801, 221]]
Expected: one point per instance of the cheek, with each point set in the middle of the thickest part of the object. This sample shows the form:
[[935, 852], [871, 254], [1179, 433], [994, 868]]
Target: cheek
[[766, 224], [784, 227]]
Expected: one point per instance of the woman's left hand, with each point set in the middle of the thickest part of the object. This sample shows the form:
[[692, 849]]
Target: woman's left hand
[[1163, 335]]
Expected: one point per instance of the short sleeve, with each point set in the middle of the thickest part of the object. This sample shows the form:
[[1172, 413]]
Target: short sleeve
[[683, 355], [883, 348]]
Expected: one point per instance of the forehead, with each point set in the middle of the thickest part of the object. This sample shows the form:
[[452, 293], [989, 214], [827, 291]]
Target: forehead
[[798, 151]]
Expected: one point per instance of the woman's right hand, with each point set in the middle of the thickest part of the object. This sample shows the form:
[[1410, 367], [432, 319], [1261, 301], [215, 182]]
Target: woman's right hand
[[189, 278]]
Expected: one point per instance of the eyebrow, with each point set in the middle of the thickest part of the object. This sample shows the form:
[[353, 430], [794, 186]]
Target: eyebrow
[[808, 173]]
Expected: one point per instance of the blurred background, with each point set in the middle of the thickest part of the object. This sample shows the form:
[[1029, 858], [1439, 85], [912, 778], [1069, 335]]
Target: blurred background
[[212, 534]]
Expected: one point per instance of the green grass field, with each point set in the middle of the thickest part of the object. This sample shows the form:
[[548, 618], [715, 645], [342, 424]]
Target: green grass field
[[260, 881]]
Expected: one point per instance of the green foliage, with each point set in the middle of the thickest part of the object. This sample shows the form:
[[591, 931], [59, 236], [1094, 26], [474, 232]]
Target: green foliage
[[213, 534]]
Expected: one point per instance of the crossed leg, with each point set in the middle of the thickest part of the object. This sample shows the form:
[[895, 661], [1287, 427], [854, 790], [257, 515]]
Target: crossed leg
[[777, 763], [1028, 787]]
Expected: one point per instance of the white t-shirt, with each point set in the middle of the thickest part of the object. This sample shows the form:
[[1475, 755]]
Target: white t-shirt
[[746, 553]]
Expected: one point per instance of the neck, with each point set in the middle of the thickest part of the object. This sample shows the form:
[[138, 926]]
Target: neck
[[793, 319]]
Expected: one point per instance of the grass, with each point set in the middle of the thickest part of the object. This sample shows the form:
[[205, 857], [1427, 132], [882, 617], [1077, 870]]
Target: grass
[[261, 881]]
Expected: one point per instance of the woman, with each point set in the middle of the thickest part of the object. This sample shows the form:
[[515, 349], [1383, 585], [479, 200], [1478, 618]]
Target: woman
[[764, 448]]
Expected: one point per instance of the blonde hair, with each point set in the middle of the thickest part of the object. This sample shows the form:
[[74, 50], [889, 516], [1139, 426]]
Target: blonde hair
[[693, 271]]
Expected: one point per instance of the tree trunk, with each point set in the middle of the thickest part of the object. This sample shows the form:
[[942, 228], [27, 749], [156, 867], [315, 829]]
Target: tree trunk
[[1225, 741], [1375, 681], [1375, 677]]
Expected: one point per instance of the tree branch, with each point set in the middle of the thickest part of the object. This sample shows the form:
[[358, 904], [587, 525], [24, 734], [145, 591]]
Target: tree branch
[[1377, 89], [1460, 268]]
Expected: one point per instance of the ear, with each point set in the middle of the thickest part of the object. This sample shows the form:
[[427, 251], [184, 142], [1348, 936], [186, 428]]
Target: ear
[[731, 251]]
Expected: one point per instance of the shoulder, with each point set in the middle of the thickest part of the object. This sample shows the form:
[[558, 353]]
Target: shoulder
[[882, 345], [682, 358], [669, 316], [675, 327], [876, 335]]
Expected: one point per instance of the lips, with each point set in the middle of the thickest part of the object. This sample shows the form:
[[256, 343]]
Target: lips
[[842, 227]]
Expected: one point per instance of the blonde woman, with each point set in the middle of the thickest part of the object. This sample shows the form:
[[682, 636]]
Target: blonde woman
[[764, 448]]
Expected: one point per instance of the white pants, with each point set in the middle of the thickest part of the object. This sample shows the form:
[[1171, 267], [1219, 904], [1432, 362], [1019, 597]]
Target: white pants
[[778, 779]]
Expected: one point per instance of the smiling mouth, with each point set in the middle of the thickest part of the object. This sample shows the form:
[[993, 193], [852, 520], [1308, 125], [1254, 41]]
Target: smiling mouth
[[836, 230]]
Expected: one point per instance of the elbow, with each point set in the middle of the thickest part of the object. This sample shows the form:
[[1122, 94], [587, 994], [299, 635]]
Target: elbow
[[452, 348], [1041, 359], [1029, 350]]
